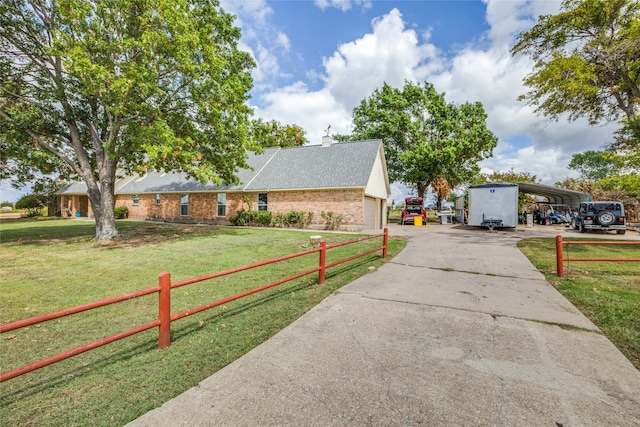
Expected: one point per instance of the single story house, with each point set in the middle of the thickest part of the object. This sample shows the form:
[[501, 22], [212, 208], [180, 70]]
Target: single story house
[[347, 178]]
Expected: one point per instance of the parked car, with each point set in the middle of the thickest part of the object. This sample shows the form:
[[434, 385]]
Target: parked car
[[413, 207], [547, 213], [600, 216]]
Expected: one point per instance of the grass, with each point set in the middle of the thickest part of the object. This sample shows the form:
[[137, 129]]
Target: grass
[[608, 293], [51, 265]]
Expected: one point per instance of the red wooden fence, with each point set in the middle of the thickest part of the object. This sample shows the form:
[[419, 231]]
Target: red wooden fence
[[560, 259], [164, 302]]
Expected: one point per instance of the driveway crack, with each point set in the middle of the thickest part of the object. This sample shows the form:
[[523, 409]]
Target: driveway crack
[[449, 269]]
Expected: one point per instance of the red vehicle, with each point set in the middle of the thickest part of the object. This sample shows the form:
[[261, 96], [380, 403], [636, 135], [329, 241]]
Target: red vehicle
[[413, 207]]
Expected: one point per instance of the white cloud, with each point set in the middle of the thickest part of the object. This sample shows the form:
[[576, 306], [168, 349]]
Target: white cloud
[[390, 54], [547, 164], [342, 5], [313, 111], [283, 41], [256, 11], [483, 71]]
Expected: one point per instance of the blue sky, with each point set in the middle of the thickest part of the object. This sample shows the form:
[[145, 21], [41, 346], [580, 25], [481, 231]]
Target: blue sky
[[316, 60]]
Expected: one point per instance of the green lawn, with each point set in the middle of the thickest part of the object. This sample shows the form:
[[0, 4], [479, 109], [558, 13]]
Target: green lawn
[[51, 265], [608, 293]]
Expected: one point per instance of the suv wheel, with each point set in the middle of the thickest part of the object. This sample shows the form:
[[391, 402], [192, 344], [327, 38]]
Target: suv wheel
[[606, 218], [621, 231]]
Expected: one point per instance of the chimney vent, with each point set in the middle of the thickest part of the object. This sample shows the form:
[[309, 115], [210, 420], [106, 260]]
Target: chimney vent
[[326, 141]]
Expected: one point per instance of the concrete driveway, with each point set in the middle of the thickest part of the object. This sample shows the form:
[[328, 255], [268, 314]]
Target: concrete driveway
[[459, 329]]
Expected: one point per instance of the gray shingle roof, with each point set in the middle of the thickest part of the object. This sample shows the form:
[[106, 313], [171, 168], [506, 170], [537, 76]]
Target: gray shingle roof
[[341, 165]]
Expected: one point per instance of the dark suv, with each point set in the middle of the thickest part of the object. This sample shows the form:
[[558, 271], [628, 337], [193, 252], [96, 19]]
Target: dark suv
[[600, 216]]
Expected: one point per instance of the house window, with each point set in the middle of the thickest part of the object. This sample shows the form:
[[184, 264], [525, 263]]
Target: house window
[[262, 201], [157, 199], [222, 204], [136, 199], [184, 204]]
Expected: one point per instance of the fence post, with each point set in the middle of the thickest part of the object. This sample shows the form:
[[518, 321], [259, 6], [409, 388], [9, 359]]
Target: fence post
[[164, 310], [385, 242], [323, 261], [559, 256]]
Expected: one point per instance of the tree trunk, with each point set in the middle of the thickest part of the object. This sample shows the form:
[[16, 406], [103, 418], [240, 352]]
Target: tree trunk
[[106, 222], [103, 203], [422, 188]]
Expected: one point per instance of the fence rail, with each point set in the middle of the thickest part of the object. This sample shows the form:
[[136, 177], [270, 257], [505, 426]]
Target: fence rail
[[560, 259], [164, 301]]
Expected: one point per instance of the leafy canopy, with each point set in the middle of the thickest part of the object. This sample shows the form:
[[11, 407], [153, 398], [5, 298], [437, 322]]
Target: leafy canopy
[[425, 138], [274, 134], [596, 165], [587, 64], [87, 87]]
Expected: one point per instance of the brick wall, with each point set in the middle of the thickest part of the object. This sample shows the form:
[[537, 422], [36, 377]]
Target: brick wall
[[203, 206], [348, 203]]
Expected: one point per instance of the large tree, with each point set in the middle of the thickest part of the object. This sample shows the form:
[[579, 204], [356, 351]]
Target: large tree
[[90, 87], [425, 138], [587, 64]]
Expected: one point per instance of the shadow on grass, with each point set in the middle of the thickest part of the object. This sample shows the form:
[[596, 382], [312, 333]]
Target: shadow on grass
[[38, 232]]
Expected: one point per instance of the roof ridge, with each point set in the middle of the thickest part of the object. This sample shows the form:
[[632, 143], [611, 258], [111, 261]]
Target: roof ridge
[[244, 188]]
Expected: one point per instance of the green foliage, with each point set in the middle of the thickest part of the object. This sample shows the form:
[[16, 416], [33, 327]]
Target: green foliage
[[629, 184], [298, 219], [263, 219], [332, 221], [596, 165], [130, 84], [586, 63], [6, 204], [279, 220], [274, 134], [241, 218], [32, 203], [292, 219], [121, 212], [424, 137], [251, 218]]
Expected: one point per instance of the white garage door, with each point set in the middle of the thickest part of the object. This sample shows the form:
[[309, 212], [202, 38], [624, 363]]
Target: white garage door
[[370, 211]]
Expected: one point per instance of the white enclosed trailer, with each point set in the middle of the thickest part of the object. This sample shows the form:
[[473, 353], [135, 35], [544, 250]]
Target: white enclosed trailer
[[493, 205]]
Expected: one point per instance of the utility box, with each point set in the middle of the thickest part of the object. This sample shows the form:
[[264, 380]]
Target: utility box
[[493, 205]]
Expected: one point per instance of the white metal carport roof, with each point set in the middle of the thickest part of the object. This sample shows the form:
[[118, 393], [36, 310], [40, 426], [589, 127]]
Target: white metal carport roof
[[555, 195]]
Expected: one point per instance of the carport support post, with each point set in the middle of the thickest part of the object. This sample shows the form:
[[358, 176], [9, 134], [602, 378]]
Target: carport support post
[[323, 261], [164, 310], [559, 256]]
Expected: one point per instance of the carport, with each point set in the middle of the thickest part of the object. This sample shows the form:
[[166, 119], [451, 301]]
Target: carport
[[555, 195]]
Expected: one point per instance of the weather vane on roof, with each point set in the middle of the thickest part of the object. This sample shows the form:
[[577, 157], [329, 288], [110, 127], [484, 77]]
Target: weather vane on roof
[[328, 129]]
